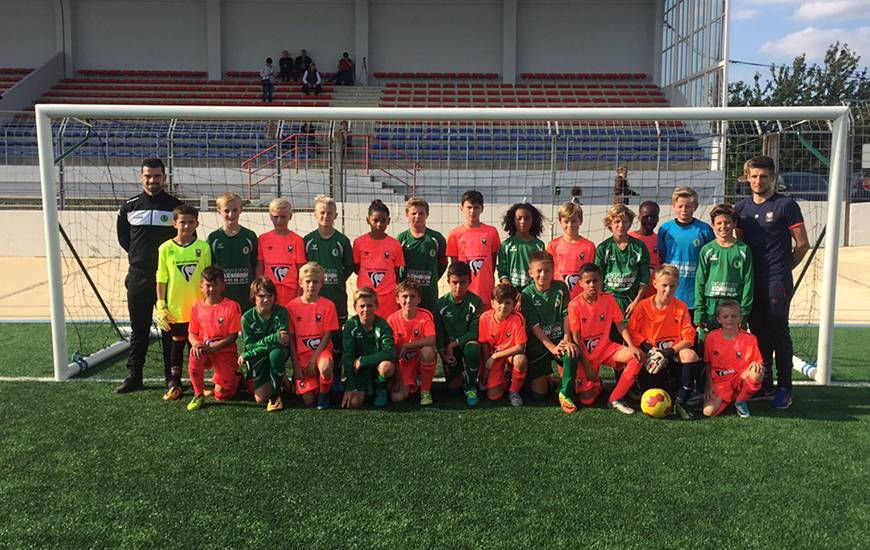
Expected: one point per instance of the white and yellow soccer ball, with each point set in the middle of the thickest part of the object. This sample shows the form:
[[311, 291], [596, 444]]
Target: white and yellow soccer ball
[[656, 403]]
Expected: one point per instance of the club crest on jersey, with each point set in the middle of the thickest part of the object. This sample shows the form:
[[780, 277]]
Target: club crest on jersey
[[386, 253], [696, 243], [318, 317], [582, 256], [507, 334], [335, 252], [280, 272], [739, 354], [164, 218], [572, 280], [416, 332], [187, 270], [220, 320], [432, 253], [476, 265], [198, 252], [483, 240], [246, 249], [311, 343], [768, 217], [600, 316], [290, 248], [377, 277]]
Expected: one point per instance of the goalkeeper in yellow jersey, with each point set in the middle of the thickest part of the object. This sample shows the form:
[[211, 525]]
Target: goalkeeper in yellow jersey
[[180, 262]]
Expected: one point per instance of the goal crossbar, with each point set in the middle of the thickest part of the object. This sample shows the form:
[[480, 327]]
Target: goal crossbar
[[837, 116]]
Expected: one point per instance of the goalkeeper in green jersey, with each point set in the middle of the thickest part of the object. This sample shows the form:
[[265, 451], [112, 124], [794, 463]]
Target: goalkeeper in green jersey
[[425, 252], [545, 307], [180, 262], [368, 352], [724, 272], [524, 224], [266, 331], [457, 322], [624, 260], [234, 249]]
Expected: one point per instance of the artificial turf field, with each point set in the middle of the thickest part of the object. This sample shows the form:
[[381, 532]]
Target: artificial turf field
[[84, 467]]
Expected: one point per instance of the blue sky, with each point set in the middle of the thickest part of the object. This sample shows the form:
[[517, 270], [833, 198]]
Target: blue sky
[[776, 31]]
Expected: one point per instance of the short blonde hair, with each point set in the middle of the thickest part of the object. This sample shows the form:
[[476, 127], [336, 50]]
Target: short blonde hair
[[417, 201], [326, 201], [571, 210], [669, 271], [684, 192], [311, 269], [227, 198], [280, 203], [365, 293], [617, 211]]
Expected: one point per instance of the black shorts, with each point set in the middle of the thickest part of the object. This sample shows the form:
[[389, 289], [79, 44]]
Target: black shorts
[[178, 329]]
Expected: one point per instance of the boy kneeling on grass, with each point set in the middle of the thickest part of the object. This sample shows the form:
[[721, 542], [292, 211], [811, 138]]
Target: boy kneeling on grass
[[266, 330], [215, 323], [503, 338], [663, 327], [368, 352], [414, 338], [736, 368]]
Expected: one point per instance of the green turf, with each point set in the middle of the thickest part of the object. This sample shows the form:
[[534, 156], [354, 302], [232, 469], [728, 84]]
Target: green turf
[[84, 467]]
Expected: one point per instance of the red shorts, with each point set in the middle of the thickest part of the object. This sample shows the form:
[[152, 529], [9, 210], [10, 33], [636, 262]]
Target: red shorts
[[308, 384], [225, 365], [730, 388], [603, 354], [409, 370], [495, 376]]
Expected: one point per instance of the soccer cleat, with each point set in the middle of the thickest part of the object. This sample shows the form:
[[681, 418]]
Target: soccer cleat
[[782, 399], [196, 403], [567, 404], [275, 404], [322, 402], [764, 394], [381, 398], [742, 408], [696, 399], [621, 406], [425, 398], [130, 384], [516, 399], [684, 413], [173, 393], [471, 398]]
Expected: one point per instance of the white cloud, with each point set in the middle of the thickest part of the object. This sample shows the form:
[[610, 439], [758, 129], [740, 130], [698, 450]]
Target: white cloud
[[832, 9], [814, 42], [744, 15]]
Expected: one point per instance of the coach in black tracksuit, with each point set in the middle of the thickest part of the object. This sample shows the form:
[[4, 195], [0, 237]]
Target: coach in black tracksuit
[[144, 223]]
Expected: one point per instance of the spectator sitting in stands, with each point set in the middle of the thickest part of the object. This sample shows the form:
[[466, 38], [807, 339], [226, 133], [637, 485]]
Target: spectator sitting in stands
[[267, 79], [621, 190], [301, 64], [344, 76], [311, 80], [285, 67]]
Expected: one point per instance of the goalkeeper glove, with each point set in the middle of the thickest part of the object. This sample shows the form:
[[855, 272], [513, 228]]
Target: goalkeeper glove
[[655, 361], [163, 317]]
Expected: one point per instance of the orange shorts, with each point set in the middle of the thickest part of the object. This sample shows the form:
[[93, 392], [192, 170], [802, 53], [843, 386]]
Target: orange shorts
[[603, 354], [729, 389], [409, 370], [225, 365], [308, 384], [495, 376]]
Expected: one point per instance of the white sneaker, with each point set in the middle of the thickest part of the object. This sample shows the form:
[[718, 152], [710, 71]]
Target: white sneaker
[[620, 406], [515, 399]]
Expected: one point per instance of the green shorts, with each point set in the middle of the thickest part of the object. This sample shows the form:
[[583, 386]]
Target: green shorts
[[362, 380], [542, 366], [259, 369]]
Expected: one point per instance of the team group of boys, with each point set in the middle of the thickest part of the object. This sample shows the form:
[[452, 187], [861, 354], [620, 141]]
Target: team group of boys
[[657, 308]]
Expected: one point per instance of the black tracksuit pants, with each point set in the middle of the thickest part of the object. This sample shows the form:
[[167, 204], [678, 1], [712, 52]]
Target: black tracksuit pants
[[141, 297], [769, 323]]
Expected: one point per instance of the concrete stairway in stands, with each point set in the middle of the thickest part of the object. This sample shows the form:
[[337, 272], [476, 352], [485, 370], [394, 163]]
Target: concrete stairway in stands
[[356, 96]]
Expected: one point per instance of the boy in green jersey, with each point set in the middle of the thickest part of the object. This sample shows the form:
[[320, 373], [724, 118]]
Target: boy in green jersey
[[266, 330], [180, 262], [524, 224], [425, 252], [724, 272], [457, 322], [368, 352], [333, 251], [545, 307], [234, 249], [624, 260]]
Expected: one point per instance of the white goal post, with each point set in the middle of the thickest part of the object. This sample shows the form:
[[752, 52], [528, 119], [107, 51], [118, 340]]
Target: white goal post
[[838, 117]]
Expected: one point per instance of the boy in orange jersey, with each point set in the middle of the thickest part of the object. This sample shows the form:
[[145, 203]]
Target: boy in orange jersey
[[215, 323], [648, 214], [736, 368], [591, 316], [313, 319], [663, 327], [477, 244], [414, 337], [377, 258], [571, 251], [281, 252], [502, 334]]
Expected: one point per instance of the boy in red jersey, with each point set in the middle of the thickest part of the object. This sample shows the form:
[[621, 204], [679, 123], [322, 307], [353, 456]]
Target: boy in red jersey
[[736, 369], [377, 258], [648, 214], [477, 244], [414, 337], [591, 316], [215, 323], [663, 327], [313, 319], [502, 333], [571, 251], [281, 252]]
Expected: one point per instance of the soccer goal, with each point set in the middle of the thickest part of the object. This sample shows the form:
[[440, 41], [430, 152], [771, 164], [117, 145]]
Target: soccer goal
[[89, 163]]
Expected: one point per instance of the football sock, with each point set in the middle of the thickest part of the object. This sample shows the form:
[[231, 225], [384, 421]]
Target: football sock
[[518, 378], [196, 369], [569, 375], [276, 370], [176, 361], [382, 382], [626, 380], [427, 373], [746, 391], [325, 384], [687, 380], [471, 362]]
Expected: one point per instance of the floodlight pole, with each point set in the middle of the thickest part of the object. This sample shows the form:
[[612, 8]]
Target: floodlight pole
[[839, 156], [52, 243]]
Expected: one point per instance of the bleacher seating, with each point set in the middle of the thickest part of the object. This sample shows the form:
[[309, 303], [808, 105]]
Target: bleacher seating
[[9, 76], [436, 76], [583, 76]]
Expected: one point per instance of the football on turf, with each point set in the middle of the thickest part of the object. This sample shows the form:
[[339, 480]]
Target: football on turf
[[655, 403]]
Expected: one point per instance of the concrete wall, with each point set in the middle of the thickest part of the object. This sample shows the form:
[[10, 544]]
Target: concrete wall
[[20, 96], [27, 32], [859, 230]]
